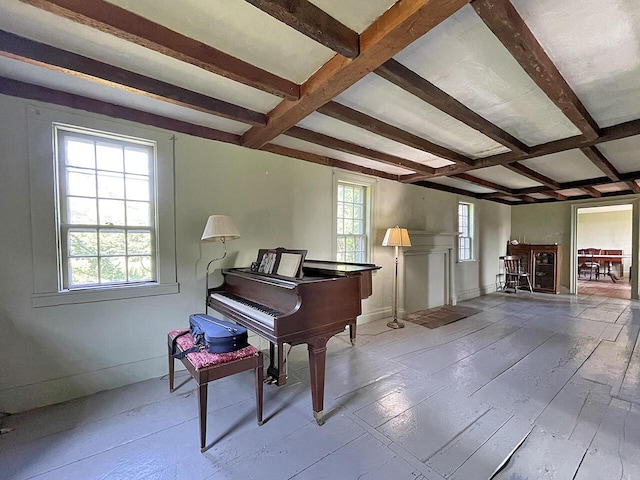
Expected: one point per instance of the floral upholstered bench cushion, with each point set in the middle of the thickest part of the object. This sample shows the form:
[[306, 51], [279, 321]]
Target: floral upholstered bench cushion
[[205, 359]]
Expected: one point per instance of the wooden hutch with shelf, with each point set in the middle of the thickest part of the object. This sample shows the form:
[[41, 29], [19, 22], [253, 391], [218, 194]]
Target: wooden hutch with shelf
[[542, 263]]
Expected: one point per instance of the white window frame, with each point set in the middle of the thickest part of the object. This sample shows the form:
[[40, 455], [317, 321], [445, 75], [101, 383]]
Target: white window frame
[[368, 184], [49, 289], [61, 133], [471, 237]]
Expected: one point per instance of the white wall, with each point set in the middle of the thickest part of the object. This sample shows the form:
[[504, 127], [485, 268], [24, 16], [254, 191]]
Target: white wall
[[605, 230], [51, 354]]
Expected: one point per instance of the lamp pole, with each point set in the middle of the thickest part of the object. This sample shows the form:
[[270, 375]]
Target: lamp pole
[[395, 323]]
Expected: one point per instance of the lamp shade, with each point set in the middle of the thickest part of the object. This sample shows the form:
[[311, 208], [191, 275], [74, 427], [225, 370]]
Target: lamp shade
[[396, 237], [219, 227]]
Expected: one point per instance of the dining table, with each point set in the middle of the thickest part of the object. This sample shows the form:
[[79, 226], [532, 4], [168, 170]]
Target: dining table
[[609, 260]]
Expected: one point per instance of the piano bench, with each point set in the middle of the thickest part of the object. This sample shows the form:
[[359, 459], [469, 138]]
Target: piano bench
[[206, 367]]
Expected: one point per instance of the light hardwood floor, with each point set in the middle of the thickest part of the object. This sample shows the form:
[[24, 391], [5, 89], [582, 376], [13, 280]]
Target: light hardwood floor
[[555, 380]]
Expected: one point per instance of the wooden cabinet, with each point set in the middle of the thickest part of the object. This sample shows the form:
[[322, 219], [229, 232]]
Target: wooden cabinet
[[542, 263]]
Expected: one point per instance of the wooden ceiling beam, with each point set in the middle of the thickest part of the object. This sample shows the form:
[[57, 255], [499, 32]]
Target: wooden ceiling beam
[[591, 192], [306, 18], [399, 26], [55, 59], [112, 19], [507, 25], [633, 186], [600, 161], [327, 161], [396, 73], [348, 147], [373, 125], [16, 88], [533, 175], [484, 183]]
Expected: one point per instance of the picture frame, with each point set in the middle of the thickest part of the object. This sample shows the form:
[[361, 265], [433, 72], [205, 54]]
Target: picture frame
[[281, 262]]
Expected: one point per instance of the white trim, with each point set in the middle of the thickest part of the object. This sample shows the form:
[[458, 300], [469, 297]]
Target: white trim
[[635, 230], [47, 289], [370, 184]]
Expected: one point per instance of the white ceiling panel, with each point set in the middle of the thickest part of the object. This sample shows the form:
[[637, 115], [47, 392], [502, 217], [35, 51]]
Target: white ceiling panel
[[344, 131], [563, 167], [238, 28], [460, 184], [571, 192], [512, 199], [17, 70], [623, 154], [355, 14], [505, 177], [612, 187], [389, 103], [595, 46], [35, 24], [468, 62], [291, 142], [539, 196]]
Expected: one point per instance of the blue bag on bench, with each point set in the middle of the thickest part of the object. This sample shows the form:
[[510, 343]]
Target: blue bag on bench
[[213, 335]]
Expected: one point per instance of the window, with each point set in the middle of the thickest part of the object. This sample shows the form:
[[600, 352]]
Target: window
[[102, 208], [106, 209], [352, 221], [465, 231]]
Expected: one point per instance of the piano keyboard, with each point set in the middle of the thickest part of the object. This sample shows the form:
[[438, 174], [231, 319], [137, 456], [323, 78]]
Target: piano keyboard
[[256, 311]]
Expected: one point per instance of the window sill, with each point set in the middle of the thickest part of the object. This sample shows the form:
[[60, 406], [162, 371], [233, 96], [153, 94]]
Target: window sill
[[467, 261], [71, 297]]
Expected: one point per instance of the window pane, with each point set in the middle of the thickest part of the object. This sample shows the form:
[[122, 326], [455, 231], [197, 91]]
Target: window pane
[[138, 214], [83, 271], [140, 269], [348, 227], [109, 157], [348, 211], [81, 211], [112, 242], [81, 183], [340, 193], [139, 243], [113, 269], [358, 227], [111, 212], [137, 188], [348, 194], [136, 160], [110, 185], [358, 212], [340, 226], [357, 195], [83, 243], [80, 153]]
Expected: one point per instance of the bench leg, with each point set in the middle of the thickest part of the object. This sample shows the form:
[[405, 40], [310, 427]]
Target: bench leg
[[171, 369], [202, 411], [259, 389]]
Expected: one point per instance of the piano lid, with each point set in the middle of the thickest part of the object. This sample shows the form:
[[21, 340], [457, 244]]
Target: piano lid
[[340, 268]]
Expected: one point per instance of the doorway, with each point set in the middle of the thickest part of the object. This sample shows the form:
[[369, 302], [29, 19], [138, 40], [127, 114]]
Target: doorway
[[604, 239]]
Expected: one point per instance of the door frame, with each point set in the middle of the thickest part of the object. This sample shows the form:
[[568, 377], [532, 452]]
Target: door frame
[[635, 229]]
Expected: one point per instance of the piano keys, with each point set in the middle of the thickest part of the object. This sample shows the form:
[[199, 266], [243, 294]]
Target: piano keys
[[310, 310]]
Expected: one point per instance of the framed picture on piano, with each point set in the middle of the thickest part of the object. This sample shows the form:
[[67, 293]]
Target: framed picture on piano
[[281, 262]]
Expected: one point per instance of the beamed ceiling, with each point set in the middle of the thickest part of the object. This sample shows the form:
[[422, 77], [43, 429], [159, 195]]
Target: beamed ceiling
[[517, 101]]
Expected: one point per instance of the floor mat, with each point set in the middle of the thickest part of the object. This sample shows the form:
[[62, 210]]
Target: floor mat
[[436, 317]]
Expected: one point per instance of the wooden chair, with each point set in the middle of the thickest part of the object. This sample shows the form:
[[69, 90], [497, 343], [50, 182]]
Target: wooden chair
[[589, 264], [206, 367], [515, 276]]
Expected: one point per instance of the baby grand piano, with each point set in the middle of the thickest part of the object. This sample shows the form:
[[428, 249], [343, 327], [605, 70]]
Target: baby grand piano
[[310, 310]]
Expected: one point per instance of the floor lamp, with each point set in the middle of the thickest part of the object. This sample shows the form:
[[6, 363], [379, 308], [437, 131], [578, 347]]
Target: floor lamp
[[396, 237], [218, 228]]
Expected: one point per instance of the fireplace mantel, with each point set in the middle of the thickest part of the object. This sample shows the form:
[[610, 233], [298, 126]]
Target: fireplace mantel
[[428, 271]]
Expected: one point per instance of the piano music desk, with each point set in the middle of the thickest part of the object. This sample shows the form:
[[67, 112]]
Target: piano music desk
[[206, 367]]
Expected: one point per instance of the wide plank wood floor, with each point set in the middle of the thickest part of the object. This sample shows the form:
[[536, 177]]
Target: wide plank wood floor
[[551, 382]]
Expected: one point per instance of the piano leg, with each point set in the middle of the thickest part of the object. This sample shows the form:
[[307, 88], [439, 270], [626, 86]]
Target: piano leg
[[352, 333], [317, 359], [276, 370]]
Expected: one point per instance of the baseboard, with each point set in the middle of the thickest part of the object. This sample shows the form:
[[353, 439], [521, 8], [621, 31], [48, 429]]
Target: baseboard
[[473, 293], [27, 397]]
